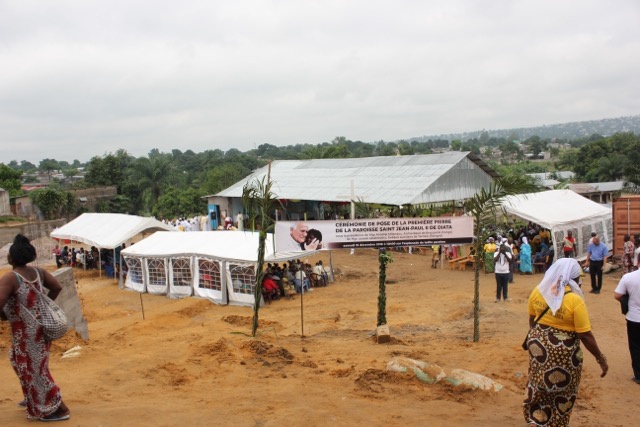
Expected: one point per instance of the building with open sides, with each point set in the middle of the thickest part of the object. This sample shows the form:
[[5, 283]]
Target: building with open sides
[[324, 188]]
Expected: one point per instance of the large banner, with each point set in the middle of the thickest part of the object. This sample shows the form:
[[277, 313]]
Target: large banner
[[372, 233]]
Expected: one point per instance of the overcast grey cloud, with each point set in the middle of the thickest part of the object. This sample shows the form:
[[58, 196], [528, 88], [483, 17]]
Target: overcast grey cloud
[[85, 78]]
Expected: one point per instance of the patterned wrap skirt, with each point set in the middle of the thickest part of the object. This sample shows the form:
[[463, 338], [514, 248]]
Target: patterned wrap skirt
[[555, 366], [29, 355]]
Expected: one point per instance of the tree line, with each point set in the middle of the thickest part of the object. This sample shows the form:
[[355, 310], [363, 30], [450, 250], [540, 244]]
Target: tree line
[[169, 185]]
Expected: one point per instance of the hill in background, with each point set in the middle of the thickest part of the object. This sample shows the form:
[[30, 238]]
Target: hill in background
[[567, 131]]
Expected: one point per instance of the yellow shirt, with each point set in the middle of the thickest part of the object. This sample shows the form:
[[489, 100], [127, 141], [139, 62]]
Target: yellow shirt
[[490, 248], [571, 316], [545, 234]]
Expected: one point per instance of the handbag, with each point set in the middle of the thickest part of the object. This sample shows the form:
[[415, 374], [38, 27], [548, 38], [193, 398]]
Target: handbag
[[525, 343], [47, 313]]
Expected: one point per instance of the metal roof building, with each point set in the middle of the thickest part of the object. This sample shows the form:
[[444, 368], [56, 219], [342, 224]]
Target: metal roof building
[[391, 180]]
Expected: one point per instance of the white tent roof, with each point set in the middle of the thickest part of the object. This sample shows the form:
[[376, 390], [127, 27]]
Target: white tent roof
[[229, 245], [554, 208], [391, 180], [107, 230]]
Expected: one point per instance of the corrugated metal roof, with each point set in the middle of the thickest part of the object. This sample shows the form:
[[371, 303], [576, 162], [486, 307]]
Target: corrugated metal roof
[[393, 180]]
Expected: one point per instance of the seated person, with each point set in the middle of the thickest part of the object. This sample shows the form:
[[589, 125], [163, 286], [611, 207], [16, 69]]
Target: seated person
[[320, 274], [270, 289]]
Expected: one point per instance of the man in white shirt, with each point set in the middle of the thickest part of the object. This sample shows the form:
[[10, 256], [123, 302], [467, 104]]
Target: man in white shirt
[[630, 285]]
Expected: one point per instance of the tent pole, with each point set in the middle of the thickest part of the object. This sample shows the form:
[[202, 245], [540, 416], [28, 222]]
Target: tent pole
[[100, 262], [302, 308], [333, 278], [141, 305]]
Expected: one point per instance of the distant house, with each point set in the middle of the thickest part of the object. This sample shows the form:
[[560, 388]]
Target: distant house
[[601, 192], [551, 179]]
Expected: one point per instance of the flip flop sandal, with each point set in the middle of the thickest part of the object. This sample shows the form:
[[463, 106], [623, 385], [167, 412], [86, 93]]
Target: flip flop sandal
[[53, 417]]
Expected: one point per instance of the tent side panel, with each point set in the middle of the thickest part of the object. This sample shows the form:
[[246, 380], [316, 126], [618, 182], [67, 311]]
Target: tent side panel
[[135, 275], [582, 229], [241, 279], [208, 280], [180, 277], [157, 278]]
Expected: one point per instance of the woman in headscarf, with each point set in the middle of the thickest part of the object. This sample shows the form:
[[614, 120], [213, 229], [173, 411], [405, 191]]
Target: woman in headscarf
[[29, 353], [525, 257], [555, 356], [489, 249], [627, 258]]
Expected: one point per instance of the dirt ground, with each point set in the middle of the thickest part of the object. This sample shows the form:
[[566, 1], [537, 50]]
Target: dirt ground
[[191, 362]]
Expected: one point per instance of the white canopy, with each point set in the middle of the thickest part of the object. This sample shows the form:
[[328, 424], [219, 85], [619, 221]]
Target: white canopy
[[107, 230], [229, 245], [561, 211], [217, 265]]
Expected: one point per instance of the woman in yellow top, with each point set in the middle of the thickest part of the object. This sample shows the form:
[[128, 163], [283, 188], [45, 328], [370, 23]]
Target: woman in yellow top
[[555, 357], [489, 250]]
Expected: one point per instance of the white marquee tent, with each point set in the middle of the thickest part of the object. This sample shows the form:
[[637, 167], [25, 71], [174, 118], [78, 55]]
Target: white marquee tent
[[108, 230], [217, 265], [561, 211]]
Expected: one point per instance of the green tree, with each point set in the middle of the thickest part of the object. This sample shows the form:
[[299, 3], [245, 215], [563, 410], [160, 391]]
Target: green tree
[[150, 175], [48, 166], [483, 207], [259, 201], [110, 169], [224, 176], [52, 201], [10, 180], [456, 145], [176, 203], [384, 259]]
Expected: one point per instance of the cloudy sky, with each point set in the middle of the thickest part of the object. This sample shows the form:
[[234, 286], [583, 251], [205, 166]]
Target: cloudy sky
[[83, 78]]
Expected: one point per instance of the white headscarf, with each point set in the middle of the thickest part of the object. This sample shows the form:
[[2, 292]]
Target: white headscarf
[[560, 274], [525, 241]]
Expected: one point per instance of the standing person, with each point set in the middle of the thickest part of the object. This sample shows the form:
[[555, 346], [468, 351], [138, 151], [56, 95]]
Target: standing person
[[627, 256], [526, 267], [569, 248], [240, 221], [57, 252], [630, 285], [489, 251], [597, 254], [502, 260], [555, 356], [29, 353], [514, 253]]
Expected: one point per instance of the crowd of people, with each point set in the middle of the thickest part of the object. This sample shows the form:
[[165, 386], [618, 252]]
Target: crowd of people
[[297, 276], [526, 246]]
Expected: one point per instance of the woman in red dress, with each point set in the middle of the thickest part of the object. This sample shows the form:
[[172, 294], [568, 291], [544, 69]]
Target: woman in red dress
[[29, 353]]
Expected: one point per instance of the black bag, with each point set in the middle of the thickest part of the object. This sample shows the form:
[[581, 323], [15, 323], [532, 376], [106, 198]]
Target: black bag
[[624, 303], [525, 344]]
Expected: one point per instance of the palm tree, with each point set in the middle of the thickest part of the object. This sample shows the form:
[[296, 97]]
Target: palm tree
[[258, 201], [483, 207], [150, 174]]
